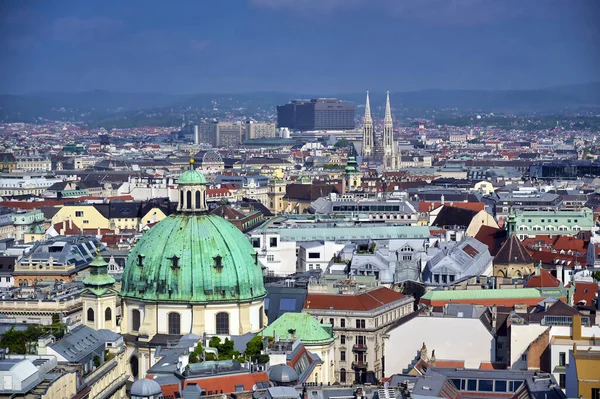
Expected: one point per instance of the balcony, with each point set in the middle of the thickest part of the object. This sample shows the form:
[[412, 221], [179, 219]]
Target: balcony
[[359, 348], [359, 364]]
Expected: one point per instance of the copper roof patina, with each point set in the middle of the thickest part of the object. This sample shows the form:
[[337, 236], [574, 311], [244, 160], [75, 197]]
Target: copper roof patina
[[193, 258]]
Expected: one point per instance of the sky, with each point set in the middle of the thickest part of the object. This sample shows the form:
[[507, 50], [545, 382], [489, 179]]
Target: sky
[[300, 46]]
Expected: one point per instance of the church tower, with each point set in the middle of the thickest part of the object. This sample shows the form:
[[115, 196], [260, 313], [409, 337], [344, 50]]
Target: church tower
[[368, 133], [389, 152], [99, 297]]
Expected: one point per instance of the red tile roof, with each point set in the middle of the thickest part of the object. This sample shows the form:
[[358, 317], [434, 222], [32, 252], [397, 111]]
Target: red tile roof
[[365, 301], [227, 383], [492, 366], [543, 280], [450, 364], [585, 292], [426, 206]]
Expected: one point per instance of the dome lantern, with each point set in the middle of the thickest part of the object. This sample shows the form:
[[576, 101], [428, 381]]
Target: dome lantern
[[192, 190]]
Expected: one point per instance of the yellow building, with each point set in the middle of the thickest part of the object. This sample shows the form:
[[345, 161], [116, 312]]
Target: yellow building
[[35, 233], [276, 194], [583, 373], [84, 216]]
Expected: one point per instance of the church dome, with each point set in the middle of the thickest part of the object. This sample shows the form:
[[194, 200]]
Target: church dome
[[193, 258], [145, 388], [191, 176]]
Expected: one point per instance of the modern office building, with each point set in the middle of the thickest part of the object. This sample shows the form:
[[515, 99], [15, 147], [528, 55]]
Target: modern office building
[[206, 133], [316, 114], [229, 134], [259, 130]]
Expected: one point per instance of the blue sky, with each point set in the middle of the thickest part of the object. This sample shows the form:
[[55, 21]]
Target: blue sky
[[312, 46]]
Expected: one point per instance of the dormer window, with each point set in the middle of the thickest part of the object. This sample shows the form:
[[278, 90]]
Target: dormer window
[[174, 262], [141, 260], [218, 263]]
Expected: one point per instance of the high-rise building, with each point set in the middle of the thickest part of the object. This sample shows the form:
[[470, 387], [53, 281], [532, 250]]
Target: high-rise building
[[259, 130], [316, 114], [205, 132], [229, 134]]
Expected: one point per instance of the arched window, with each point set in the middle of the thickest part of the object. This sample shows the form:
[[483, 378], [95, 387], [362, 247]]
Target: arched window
[[189, 200], [174, 323], [90, 314], [181, 199], [342, 376], [223, 323], [133, 363], [107, 314], [260, 317], [135, 320], [197, 199]]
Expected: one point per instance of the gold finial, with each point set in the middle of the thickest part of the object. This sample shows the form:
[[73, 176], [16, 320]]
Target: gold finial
[[191, 158], [98, 250]]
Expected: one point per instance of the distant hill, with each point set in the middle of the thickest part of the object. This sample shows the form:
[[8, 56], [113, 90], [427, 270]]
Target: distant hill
[[99, 105]]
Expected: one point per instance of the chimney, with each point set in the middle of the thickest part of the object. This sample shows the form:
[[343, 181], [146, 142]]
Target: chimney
[[70, 223], [64, 227], [576, 329]]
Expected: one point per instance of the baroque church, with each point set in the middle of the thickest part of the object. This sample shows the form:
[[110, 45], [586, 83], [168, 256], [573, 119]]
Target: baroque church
[[380, 152], [192, 273]]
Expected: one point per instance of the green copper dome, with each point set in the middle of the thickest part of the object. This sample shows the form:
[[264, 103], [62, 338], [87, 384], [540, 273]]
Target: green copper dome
[[98, 281], [193, 258], [191, 176]]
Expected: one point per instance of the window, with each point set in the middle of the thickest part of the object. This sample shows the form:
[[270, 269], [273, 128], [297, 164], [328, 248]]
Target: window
[[189, 200], [256, 243], [360, 323], [78, 214], [174, 323], [524, 357], [273, 242], [239, 388], [287, 304], [107, 314], [343, 356], [342, 340], [562, 359], [471, 385], [222, 323], [513, 386], [343, 323], [486, 385], [270, 258], [500, 386], [135, 320], [595, 393], [86, 222], [313, 255], [90, 314], [198, 199], [261, 315], [343, 375], [562, 378]]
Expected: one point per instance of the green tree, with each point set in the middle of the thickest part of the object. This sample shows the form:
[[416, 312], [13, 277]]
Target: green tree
[[597, 276], [196, 355], [341, 143], [254, 348], [55, 318], [97, 361]]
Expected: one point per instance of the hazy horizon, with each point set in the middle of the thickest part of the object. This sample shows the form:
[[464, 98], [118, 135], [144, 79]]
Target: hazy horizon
[[297, 46]]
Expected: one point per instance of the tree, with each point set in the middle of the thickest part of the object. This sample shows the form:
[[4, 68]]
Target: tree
[[97, 361], [254, 348], [341, 143], [196, 355], [55, 318]]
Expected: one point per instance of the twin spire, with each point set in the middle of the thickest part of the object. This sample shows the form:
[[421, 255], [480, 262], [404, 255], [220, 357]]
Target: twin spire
[[388, 109], [368, 147]]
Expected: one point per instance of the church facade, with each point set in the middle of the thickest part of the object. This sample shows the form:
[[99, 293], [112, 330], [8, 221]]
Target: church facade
[[384, 152]]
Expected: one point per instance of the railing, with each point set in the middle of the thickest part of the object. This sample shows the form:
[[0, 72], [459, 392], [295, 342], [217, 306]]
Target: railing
[[359, 347], [359, 364]]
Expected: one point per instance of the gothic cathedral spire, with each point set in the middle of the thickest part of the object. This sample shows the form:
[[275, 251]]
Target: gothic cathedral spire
[[389, 152], [368, 134]]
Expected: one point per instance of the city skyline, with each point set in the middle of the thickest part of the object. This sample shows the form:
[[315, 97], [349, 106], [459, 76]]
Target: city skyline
[[328, 46]]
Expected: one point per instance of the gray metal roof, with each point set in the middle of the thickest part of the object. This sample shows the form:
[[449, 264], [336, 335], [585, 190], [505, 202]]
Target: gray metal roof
[[79, 343]]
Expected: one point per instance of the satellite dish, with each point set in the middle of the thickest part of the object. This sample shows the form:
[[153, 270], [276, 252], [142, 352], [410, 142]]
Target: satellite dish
[[254, 387]]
